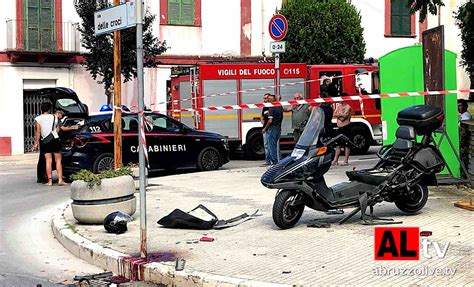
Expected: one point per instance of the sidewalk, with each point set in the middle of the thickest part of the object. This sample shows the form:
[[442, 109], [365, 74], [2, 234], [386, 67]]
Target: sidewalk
[[27, 158], [256, 253]]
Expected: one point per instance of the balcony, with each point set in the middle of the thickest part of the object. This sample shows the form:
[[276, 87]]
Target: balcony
[[58, 42]]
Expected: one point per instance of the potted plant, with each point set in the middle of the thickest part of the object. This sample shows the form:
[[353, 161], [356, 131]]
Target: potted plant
[[94, 196]]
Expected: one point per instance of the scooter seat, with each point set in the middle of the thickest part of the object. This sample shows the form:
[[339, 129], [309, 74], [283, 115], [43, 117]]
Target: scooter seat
[[367, 177]]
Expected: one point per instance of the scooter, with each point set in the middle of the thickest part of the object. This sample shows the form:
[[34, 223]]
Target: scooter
[[402, 175]]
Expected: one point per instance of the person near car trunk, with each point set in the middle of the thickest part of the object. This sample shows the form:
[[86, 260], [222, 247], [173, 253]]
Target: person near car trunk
[[343, 115], [46, 125]]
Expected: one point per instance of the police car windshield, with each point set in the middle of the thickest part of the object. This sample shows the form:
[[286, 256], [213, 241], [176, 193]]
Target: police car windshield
[[313, 128]]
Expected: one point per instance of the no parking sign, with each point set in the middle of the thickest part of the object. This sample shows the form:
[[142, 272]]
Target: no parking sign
[[278, 27]]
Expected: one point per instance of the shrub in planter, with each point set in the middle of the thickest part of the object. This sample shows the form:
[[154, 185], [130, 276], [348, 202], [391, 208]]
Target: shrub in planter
[[94, 196]]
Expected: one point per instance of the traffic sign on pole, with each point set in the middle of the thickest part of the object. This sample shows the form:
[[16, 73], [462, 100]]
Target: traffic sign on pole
[[278, 27]]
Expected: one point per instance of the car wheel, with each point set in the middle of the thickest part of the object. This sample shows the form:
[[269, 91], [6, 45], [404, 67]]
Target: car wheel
[[103, 162], [209, 159], [361, 140], [254, 148]]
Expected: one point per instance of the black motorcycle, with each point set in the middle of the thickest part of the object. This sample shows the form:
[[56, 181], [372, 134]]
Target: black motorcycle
[[401, 176]]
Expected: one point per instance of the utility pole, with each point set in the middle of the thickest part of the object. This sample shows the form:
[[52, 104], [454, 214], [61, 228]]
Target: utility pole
[[141, 135], [117, 99]]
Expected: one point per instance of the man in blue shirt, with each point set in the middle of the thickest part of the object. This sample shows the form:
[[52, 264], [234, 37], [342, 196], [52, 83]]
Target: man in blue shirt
[[272, 129]]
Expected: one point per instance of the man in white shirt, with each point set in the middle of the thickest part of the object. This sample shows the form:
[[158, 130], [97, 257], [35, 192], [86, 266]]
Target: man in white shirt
[[464, 115]]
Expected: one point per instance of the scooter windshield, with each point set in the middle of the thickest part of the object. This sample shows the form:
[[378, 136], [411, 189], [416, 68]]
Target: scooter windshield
[[312, 129]]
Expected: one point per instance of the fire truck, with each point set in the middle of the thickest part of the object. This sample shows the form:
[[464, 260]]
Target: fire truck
[[221, 84]]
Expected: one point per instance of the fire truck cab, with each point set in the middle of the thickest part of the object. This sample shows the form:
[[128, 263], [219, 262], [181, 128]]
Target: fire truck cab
[[210, 85]]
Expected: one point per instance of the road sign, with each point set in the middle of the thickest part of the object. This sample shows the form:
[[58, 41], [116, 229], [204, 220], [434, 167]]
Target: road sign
[[277, 47], [278, 27], [111, 19]]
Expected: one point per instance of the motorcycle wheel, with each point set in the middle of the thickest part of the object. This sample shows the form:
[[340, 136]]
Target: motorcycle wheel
[[413, 201], [284, 215]]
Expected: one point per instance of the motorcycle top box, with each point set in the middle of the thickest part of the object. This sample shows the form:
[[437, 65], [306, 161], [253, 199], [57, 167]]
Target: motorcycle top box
[[425, 119]]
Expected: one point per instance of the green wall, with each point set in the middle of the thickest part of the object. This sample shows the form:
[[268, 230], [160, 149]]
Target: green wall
[[402, 71]]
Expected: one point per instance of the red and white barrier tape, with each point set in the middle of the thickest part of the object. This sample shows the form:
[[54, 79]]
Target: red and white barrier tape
[[248, 90], [322, 100], [142, 137]]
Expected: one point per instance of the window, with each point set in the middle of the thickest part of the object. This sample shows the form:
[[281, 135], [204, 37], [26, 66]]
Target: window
[[130, 124], [333, 87], [181, 12], [39, 25], [156, 123], [398, 20]]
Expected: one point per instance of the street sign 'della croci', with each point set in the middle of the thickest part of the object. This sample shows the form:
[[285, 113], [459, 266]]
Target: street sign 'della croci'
[[111, 19]]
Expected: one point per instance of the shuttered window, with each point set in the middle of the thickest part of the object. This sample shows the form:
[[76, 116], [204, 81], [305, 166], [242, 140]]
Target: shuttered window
[[39, 25], [400, 18], [181, 12]]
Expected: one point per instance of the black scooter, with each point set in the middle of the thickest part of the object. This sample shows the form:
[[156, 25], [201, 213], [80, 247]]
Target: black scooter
[[401, 176]]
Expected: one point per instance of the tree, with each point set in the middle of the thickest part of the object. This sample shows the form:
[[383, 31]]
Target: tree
[[465, 21], [323, 32], [424, 6], [99, 60]]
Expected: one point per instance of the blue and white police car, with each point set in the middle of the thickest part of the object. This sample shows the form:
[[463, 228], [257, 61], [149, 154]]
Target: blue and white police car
[[170, 144]]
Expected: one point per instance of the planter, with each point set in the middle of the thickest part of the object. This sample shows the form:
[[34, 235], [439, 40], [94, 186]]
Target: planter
[[136, 177], [92, 205]]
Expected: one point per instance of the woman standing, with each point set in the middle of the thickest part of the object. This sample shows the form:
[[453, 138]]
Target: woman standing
[[47, 136]]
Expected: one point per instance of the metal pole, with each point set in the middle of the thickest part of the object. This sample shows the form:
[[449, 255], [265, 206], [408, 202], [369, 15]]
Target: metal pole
[[141, 154], [277, 68], [117, 100]]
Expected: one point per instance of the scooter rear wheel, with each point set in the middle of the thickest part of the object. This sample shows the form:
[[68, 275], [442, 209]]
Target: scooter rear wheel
[[413, 201], [285, 213]]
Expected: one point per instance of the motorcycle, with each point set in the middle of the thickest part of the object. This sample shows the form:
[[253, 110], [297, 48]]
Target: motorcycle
[[402, 174]]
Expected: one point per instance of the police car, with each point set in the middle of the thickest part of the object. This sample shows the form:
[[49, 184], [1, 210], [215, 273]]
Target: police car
[[170, 144]]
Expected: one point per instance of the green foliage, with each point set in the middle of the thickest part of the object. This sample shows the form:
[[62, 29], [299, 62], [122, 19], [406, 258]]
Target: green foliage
[[95, 179], [465, 21], [424, 6], [100, 59], [323, 32]]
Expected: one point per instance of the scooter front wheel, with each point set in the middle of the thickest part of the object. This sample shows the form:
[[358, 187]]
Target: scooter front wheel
[[287, 208]]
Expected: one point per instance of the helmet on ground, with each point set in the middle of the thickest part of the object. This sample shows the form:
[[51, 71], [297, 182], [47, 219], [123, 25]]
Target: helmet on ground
[[116, 222]]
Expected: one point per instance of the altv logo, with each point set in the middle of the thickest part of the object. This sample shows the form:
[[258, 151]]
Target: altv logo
[[403, 243]]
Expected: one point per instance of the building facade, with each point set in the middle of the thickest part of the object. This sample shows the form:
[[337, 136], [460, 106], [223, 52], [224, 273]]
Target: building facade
[[40, 47]]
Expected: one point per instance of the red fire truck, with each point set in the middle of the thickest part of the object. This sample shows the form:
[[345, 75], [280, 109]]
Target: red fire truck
[[242, 127]]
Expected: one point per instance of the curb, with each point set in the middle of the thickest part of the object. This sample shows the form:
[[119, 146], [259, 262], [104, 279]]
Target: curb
[[155, 272]]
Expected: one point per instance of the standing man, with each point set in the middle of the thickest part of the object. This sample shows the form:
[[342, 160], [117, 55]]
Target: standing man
[[299, 116], [343, 115], [264, 121], [273, 130]]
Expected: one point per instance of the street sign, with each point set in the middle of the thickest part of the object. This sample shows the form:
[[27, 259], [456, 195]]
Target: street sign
[[277, 47], [111, 19], [278, 27]]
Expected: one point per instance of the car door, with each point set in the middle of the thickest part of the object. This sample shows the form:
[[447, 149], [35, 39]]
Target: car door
[[169, 145], [129, 139]]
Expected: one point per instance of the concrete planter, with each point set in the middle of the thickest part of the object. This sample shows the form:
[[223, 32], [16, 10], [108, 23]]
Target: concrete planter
[[136, 177], [92, 205]]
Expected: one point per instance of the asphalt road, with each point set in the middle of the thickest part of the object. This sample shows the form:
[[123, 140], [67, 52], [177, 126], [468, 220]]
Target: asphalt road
[[29, 253]]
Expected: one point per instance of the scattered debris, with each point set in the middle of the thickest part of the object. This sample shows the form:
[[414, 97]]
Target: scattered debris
[[426, 233], [286, 272], [335, 212], [206, 239], [191, 241], [179, 266], [319, 225]]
